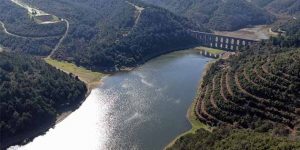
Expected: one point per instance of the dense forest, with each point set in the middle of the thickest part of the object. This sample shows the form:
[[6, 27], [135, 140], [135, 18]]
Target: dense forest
[[218, 14], [26, 36], [32, 94], [279, 7], [226, 138], [290, 7], [17, 21], [38, 47], [109, 35], [292, 34]]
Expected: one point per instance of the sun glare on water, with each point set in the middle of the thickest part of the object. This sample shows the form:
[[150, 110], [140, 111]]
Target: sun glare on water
[[77, 131]]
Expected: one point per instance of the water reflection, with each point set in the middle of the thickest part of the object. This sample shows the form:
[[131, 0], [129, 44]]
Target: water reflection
[[141, 109], [86, 128]]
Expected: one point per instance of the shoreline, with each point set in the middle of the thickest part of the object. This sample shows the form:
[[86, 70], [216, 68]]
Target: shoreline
[[190, 115], [92, 84], [90, 87], [28, 137]]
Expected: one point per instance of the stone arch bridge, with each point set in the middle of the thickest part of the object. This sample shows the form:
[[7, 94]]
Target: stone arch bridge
[[220, 42]]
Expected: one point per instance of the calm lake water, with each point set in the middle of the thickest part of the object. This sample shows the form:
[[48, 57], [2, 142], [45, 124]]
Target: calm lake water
[[142, 109]]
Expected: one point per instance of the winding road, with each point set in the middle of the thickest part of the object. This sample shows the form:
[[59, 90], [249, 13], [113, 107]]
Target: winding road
[[39, 12], [61, 39], [6, 32], [22, 36]]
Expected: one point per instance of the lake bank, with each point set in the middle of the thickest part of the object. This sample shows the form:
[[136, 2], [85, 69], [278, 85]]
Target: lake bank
[[92, 79], [131, 109], [191, 115]]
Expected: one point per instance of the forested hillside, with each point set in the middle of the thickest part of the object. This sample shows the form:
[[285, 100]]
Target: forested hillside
[[218, 14], [32, 94], [290, 7], [24, 35], [227, 138], [112, 34], [17, 21], [257, 89], [292, 31]]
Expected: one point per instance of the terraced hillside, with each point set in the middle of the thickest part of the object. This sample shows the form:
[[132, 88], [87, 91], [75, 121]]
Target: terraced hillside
[[290, 7], [258, 92]]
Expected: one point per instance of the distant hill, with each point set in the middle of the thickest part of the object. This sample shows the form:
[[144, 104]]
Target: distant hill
[[279, 7], [32, 95], [111, 34], [218, 14], [290, 7]]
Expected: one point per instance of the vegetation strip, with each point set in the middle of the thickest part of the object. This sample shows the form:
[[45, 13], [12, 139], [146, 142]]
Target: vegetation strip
[[91, 78]]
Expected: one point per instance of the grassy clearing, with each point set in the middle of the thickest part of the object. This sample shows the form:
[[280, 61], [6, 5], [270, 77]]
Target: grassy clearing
[[46, 18], [87, 76], [210, 50]]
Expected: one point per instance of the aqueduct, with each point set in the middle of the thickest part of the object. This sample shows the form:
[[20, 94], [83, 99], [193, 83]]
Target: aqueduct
[[221, 42]]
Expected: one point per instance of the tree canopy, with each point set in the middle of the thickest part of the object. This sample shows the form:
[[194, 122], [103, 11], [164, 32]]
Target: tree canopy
[[33, 93]]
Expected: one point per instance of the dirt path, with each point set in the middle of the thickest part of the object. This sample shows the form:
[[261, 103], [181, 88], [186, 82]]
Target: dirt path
[[61, 39], [139, 11], [6, 32], [31, 10]]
